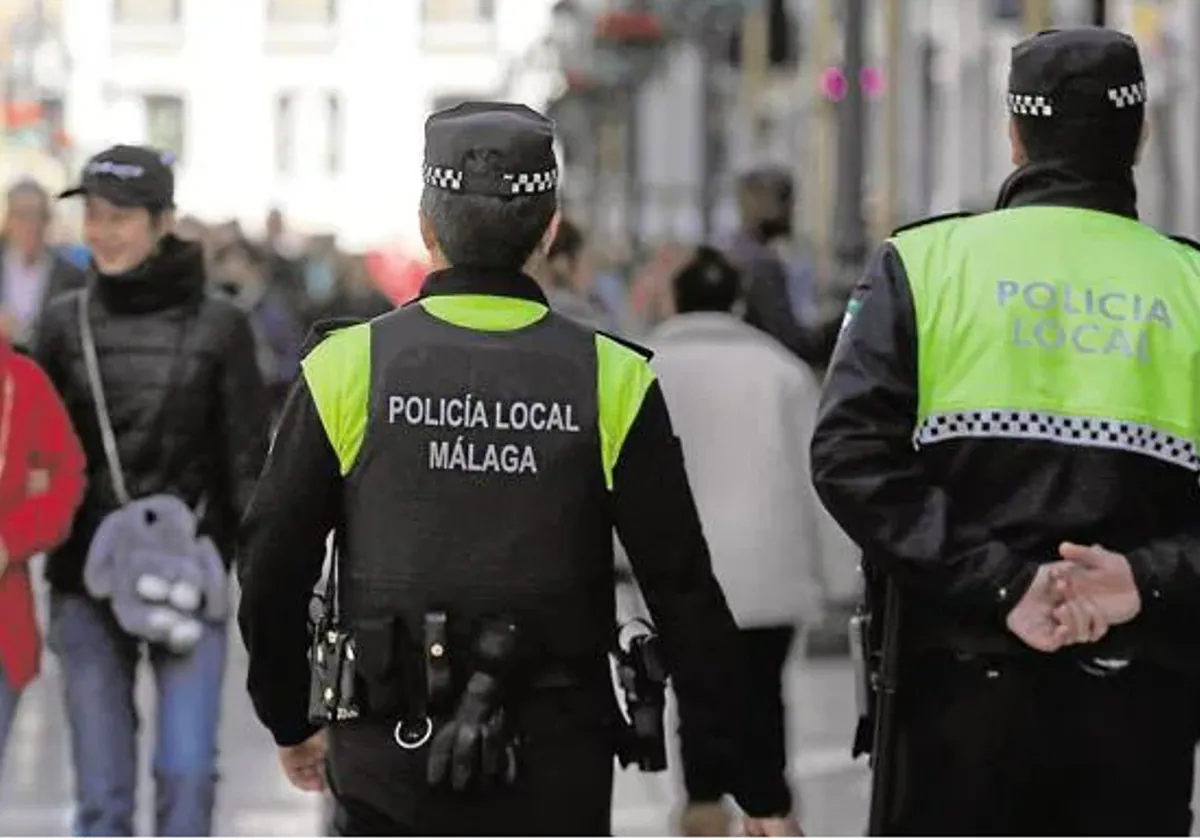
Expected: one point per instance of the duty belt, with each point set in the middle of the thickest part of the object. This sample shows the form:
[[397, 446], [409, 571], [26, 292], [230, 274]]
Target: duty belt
[[419, 690]]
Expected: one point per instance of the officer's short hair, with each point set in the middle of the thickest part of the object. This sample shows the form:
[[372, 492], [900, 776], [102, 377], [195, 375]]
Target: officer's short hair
[[708, 282], [1076, 140], [487, 231]]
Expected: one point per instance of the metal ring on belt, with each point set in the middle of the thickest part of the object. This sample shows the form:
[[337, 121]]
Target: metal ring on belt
[[407, 743]]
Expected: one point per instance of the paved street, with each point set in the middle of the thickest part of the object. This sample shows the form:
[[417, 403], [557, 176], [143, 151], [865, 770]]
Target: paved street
[[254, 799]]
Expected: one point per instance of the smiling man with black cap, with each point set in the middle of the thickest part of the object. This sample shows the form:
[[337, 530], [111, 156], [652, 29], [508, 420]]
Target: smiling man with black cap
[[474, 451], [1009, 431], [161, 381]]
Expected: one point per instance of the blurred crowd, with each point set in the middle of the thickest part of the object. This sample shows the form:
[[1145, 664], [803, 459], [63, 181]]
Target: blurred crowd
[[284, 281]]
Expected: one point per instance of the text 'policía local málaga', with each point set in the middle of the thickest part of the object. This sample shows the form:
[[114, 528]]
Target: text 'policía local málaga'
[[467, 413]]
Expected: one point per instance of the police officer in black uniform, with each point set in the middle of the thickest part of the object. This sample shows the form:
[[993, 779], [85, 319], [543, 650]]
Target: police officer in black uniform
[[1009, 431], [473, 452]]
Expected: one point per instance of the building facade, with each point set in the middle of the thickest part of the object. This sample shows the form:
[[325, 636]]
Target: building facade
[[313, 106]]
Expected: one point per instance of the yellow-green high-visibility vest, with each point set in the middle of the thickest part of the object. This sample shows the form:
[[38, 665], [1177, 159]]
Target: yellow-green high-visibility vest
[[1057, 324]]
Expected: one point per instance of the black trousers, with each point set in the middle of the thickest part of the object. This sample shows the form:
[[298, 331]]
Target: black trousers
[[765, 652], [1041, 747], [564, 789]]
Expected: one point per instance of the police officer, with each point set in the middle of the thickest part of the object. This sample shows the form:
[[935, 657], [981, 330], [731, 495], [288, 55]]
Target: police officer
[[474, 452], [1009, 431]]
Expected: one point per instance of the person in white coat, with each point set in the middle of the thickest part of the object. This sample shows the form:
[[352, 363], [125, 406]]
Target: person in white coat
[[744, 408]]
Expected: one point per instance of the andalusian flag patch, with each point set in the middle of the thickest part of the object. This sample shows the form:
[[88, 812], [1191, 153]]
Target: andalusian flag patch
[[852, 308]]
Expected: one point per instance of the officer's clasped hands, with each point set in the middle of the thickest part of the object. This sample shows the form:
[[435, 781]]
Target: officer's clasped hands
[[1076, 600]]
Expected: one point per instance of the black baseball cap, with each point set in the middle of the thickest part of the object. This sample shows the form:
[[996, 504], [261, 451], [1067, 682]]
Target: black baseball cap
[[518, 141], [1085, 72], [129, 176]]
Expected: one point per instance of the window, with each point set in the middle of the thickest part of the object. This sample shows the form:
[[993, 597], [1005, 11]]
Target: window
[[285, 129], [147, 12], [334, 132], [441, 12], [165, 123], [302, 12]]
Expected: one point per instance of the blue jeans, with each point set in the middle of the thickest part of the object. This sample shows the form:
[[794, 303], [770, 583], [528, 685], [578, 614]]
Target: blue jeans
[[99, 663], [8, 710]]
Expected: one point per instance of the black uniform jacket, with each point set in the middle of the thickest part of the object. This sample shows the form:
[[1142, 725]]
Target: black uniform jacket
[[299, 500], [965, 524]]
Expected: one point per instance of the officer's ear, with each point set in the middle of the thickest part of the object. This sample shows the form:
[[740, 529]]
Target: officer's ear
[[550, 234], [1019, 156], [1137, 158], [429, 237]]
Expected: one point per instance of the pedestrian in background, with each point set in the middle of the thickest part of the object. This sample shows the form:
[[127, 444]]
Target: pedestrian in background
[[41, 484], [31, 272], [778, 295], [160, 379], [242, 271], [285, 264], [744, 408], [567, 280], [356, 296]]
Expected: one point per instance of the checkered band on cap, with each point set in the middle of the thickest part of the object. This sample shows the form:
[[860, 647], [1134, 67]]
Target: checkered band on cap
[[1102, 432], [1030, 105], [533, 182], [443, 178], [1127, 95], [526, 183]]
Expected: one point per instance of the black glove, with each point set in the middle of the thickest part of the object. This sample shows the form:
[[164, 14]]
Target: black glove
[[474, 749], [498, 753]]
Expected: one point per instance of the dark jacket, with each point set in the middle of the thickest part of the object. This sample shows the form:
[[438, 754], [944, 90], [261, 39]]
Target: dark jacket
[[300, 500], [185, 396], [769, 304], [64, 277], [278, 334], [964, 524]]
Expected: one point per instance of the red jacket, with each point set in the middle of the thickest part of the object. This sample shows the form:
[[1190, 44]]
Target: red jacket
[[41, 485]]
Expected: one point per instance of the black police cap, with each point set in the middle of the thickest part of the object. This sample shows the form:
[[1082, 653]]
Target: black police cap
[[129, 176], [1085, 72], [511, 148]]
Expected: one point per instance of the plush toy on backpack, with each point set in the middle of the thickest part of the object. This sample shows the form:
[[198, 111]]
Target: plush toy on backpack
[[164, 581]]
